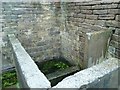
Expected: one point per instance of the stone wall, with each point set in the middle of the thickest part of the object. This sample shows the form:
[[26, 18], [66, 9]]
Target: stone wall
[[36, 26], [84, 46], [39, 32], [101, 13], [83, 17], [60, 29]]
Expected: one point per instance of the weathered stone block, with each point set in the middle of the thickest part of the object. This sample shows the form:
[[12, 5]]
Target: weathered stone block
[[112, 6], [117, 18], [117, 53], [118, 5], [99, 42], [85, 7], [114, 44], [90, 21], [108, 23], [106, 17], [17, 12], [9, 17], [111, 50], [86, 11], [113, 11], [116, 37], [92, 17], [76, 7], [77, 11], [7, 12], [80, 20], [100, 12], [117, 31], [106, 6], [100, 22], [116, 24], [81, 15], [71, 4], [99, 7]]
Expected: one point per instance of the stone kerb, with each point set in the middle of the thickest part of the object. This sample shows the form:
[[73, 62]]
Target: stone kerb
[[28, 73]]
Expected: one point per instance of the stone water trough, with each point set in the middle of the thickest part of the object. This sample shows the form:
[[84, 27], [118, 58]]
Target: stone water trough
[[101, 74], [54, 76]]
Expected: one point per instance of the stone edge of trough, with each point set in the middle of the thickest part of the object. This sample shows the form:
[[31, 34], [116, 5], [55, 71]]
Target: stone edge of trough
[[90, 75], [28, 73]]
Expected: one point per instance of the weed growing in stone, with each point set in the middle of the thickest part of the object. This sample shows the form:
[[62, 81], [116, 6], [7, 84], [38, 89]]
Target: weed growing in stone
[[9, 78], [52, 66]]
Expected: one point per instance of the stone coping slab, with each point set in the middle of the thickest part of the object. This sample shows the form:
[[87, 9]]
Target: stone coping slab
[[28, 72], [90, 75]]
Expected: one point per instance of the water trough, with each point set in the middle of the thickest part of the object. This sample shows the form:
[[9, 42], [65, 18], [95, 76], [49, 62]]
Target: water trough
[[30, 76]]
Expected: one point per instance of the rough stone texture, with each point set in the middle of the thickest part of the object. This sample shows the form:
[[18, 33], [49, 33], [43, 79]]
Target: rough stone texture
[[35, 25], [117, 18], [102, 13], [91, 17], [103, 75], [96, 47], [99, 12], [28, 73], [78, 43], [106, 17], [41, 27]]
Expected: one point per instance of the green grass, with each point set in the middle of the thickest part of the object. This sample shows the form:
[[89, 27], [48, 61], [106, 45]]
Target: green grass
[[9, 78]]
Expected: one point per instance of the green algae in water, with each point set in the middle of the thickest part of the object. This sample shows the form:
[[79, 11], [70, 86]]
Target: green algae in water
[[9, 78], [52, 66]]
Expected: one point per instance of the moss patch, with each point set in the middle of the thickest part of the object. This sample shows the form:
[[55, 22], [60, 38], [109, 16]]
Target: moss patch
[[9, 78], [52, 66]]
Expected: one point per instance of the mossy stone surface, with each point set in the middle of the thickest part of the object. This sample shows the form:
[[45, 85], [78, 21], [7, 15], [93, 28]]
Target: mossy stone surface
[[52, 66]]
